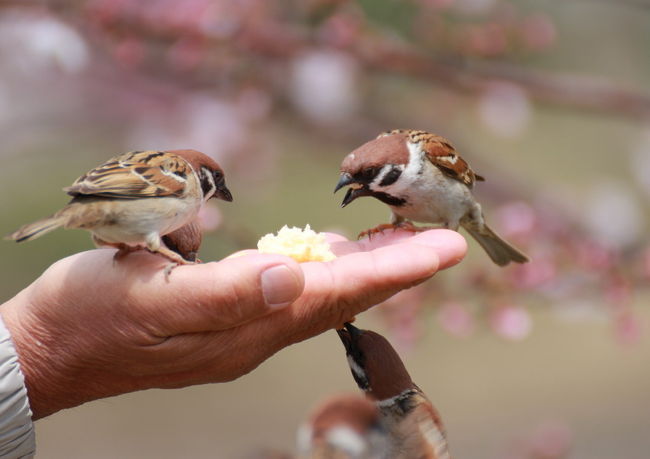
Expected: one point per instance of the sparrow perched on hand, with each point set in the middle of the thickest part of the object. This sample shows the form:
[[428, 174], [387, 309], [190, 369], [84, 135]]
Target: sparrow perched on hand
[[131, 201], [422, 178], [413, 425]]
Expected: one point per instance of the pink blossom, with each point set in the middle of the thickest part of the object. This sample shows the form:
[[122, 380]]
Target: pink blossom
[[187, 54], [510, 322], [455, 319], [516, 219], [130, 52], [540, 271], [594, 256], [538, 32], [505, 109], [485, 39]]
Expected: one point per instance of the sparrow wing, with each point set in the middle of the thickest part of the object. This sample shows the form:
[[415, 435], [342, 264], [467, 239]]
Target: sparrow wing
[[133, 175], [440, 152], [423, 432]]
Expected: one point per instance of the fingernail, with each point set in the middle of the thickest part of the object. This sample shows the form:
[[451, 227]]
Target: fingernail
[[280, 286]]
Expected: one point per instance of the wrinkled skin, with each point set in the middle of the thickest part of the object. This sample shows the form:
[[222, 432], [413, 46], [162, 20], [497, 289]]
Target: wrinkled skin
[[90, 327]]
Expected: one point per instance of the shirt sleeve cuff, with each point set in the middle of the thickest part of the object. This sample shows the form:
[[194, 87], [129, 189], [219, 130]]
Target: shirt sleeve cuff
[[17, 437]]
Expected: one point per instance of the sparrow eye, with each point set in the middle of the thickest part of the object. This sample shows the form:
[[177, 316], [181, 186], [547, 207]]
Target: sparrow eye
[[369, 173]]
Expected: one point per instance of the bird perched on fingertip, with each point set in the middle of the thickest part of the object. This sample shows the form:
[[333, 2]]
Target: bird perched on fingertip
[[134, 200], [422, 178]]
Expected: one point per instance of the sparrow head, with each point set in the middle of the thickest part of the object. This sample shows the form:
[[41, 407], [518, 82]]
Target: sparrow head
[[343, 426], [186, 240], [211, 177], [375, 365], [373, 167]]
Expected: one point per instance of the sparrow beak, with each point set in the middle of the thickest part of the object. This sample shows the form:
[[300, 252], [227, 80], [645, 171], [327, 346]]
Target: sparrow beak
[[223, 193], [344, 180], [349, 337], [355, 191]]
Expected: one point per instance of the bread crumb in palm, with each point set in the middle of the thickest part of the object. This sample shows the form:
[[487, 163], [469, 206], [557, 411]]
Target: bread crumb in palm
[[301, 245]]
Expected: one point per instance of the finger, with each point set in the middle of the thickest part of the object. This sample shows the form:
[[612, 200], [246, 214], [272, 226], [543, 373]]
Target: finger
[[334, 237], [334, 292], [218, 295], [243, 252], [450, 245], [352, 284]]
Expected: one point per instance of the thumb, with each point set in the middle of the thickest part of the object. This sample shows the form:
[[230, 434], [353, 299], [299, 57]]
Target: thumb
[[220, 295]]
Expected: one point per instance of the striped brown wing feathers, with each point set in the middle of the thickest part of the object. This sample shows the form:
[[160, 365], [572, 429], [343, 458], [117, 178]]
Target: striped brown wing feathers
[[423, 433], [442, 154], [135, 175]]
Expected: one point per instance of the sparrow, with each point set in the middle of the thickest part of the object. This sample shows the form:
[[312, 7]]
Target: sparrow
[[134, 200], [346, 426], [421, 177], [413, 425], [186, 241]]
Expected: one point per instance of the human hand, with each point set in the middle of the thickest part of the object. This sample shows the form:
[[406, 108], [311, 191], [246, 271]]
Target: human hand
[[90, 327]]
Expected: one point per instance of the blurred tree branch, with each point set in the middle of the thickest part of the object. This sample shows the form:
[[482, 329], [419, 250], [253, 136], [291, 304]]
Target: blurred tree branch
[[582, 92], [271, 37]]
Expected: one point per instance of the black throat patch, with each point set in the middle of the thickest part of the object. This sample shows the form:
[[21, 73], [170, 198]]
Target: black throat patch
[[388, 199]]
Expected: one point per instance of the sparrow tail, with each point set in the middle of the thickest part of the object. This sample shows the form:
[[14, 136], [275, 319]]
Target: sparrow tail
[[498, 250], [36, 229]]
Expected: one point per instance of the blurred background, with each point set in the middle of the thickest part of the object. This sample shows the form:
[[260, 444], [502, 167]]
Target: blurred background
[[549, 100]]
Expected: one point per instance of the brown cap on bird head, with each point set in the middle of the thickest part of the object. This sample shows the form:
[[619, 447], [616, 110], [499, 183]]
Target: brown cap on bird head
[[375, 365]]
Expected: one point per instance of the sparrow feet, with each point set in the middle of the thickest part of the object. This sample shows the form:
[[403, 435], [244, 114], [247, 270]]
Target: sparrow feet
[[405, 225], [123, 250], [176, 260]]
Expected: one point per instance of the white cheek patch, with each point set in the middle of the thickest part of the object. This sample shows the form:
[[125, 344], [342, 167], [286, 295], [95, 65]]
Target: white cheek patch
[[207, 173], [385, 170], [348, 440], [356, 369], [415, 159], [382, 173]]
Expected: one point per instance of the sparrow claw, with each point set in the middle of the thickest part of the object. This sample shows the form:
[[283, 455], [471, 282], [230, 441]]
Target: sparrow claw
[[176, 260], [405, 225], [377, 229], [168, 270], [409, 226]]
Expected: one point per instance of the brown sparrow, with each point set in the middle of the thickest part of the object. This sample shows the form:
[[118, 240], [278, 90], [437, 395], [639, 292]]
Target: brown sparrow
[[344, 426], [422, 178], [134, 199], [186, 241], [413, 425]]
